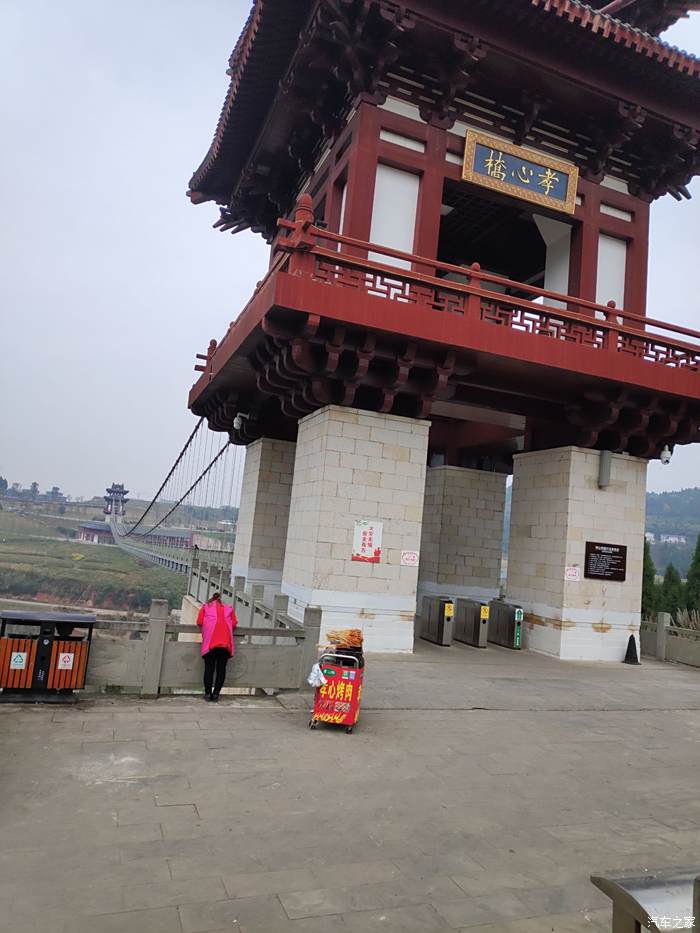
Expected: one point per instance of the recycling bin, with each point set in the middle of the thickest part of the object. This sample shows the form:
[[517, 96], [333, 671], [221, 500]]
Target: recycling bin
[[505, 624], [45, 652], [437, 620], [471, 624]]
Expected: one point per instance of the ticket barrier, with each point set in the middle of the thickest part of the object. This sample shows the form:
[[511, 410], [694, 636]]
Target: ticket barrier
[[43, 652], [437, 620], [505, 624], [471, 624]]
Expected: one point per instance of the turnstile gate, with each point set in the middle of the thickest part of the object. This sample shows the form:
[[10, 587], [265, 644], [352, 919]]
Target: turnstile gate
[[505, 624], [471, 624], [437, 620]]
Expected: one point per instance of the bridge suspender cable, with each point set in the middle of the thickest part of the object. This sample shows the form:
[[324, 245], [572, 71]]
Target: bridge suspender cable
[[186, 494], [165, 481]]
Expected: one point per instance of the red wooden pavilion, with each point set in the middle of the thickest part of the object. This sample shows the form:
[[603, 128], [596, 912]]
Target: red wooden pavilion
[[457, 199]]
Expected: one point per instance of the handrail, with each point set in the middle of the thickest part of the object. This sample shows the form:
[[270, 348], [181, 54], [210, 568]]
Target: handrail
[[278, 632], [300, 240], [274, 267], [174, 628], [564, 313], [289, 245], [680, 632], [310, 230], [207, 572]]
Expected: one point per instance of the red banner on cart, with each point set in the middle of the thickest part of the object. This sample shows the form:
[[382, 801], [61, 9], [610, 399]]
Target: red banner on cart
[[338, 700]]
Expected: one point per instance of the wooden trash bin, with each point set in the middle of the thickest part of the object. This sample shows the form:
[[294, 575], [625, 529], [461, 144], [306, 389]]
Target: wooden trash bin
[[41, 652]]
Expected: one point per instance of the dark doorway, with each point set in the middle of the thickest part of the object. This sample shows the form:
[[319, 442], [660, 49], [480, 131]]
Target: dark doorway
[[500, 236]]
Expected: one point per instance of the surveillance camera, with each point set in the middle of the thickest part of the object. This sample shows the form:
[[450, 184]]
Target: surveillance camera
[[666, 455], [238, 421]]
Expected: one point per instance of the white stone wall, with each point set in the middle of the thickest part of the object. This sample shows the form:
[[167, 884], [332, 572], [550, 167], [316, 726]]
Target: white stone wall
[[461, 546], [261, 533], [353, 465], [558, 507]]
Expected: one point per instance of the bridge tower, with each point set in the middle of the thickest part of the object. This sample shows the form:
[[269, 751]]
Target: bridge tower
[[456, 198], [116, 500]]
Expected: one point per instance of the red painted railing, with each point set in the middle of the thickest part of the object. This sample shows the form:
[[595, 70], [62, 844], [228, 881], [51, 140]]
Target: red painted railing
[[403, 278], [382, 272]]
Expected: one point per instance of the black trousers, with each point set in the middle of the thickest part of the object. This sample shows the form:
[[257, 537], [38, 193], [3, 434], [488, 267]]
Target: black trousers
[[215, 662]]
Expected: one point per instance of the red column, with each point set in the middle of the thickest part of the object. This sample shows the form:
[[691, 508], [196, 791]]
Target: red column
[[583, 266], [637, 261], [362, 170], [430, 195]]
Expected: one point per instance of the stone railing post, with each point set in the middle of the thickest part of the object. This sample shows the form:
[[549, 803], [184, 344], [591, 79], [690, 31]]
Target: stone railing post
[[155, 642], [280, 604], [257, 593], [190, 571], [309, 654], [663, 620], [238, 591]]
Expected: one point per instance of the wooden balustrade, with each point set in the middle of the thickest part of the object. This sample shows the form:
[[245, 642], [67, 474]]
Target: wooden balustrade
[[344, 262]]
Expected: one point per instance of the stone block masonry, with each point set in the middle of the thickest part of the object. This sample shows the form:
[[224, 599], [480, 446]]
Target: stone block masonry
[[352, 466], [558, 507], [461, 546], [264, 514]]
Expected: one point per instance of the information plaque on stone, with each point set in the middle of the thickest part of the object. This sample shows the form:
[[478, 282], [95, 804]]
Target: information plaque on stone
[[605, 561]]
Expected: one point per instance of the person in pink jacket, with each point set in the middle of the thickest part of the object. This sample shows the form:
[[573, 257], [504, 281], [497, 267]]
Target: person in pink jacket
[[217, 622]]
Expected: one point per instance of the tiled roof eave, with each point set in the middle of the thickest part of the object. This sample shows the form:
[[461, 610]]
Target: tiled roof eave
[[237, 62], [214, 178], [621, 33]]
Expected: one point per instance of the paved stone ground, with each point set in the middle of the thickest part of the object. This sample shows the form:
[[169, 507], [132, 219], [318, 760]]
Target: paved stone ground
[[478, 793]]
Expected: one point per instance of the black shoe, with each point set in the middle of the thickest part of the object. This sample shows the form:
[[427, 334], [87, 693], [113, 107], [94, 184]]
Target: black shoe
[[214, 698], [207, 697]]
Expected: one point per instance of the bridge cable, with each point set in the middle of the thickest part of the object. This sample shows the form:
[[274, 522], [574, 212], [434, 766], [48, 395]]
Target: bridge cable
[[174, 467], [186, 494]]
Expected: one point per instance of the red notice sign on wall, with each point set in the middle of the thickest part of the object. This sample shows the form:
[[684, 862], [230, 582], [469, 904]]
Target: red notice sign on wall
[[367, 542]]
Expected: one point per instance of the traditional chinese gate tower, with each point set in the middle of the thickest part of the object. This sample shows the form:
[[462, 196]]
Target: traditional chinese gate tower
[[116, 500], [457, 201]]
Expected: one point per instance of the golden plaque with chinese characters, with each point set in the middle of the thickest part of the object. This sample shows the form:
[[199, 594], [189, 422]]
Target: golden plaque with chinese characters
[[523, 173]]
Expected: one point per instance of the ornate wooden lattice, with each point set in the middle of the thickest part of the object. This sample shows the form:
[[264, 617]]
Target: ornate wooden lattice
[[435, 295]]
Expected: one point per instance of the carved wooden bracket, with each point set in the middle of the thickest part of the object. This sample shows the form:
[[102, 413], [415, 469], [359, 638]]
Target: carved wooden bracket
[[629, 120], [454, 70]]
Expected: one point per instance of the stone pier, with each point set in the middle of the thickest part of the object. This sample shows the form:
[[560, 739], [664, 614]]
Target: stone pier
[[354, 466], [261, 532], [461, 544], [557, 508]]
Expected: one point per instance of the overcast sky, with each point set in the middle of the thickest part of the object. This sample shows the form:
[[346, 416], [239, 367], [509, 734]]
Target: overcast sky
[[110, 279]]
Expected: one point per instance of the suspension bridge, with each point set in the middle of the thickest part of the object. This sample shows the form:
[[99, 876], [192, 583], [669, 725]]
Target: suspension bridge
[[193, 514]]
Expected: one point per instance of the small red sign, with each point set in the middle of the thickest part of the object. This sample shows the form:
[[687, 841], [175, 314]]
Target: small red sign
[[367, 542]]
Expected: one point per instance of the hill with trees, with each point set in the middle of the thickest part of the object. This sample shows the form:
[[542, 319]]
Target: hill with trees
[[674, 513]]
